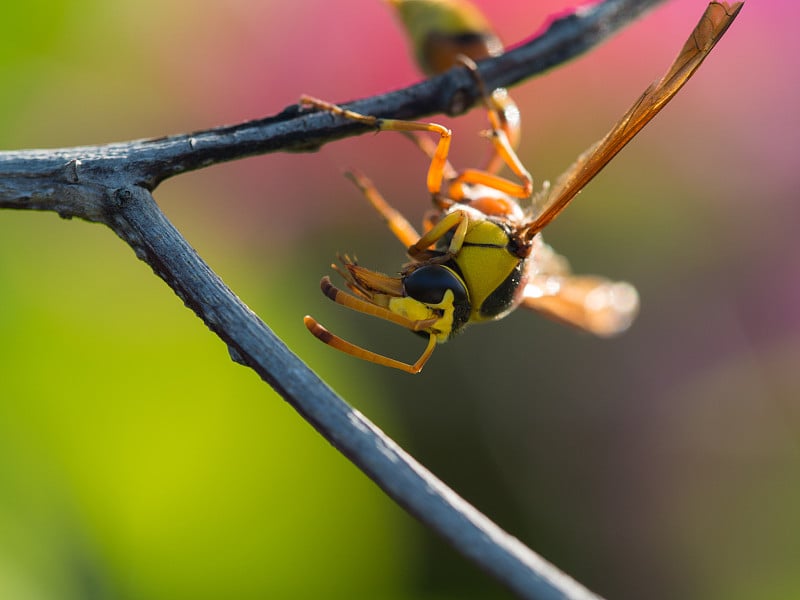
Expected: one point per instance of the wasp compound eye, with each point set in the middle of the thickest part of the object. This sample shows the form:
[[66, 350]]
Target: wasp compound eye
[[429, 283]]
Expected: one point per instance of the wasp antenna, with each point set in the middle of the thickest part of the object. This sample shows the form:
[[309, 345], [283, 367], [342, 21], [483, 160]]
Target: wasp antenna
[[334, 341], [317, 330]]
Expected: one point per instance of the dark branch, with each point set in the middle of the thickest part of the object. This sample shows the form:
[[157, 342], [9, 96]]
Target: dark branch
[[112, 183], [138, 220], [294, 130]]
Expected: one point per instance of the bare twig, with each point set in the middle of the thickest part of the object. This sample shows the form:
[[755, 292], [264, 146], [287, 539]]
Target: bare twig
[[148, 162], [111, 184]]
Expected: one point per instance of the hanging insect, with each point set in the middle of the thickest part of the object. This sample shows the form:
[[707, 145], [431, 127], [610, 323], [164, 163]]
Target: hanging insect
[[481, 254]]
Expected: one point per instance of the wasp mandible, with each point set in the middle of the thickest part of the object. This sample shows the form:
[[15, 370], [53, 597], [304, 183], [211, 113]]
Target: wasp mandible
[[481, 254]]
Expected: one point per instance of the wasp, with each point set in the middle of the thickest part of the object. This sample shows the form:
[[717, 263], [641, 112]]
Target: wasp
[[481, 253]]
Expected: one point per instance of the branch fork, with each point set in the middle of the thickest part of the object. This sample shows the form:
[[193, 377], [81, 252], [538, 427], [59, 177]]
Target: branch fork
[[113, 184]]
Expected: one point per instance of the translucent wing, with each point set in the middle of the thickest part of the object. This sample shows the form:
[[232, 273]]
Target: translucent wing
[[713, 24], [593, 304]]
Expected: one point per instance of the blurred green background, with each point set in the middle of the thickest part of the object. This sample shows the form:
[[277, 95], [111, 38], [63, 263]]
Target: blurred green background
[[138, 462]]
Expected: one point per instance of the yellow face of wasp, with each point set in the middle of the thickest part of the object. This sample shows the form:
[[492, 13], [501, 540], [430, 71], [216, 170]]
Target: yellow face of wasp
[[419, 311], [492, 274]]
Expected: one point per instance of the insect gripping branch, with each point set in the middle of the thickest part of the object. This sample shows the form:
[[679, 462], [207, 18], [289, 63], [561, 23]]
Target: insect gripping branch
[[479, 256], [481, 253]]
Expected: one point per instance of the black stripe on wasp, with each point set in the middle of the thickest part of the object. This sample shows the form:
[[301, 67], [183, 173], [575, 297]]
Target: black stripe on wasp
[[481, 253]]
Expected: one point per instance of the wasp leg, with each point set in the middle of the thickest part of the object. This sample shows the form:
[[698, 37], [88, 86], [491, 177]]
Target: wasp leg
[[449, 173], [507, 115], [428, 148], [503, 117], [477, 176], [505, 154], [334, 341], [397, 223], [504, 150], [473, 176], [458, 220], [439, 160]]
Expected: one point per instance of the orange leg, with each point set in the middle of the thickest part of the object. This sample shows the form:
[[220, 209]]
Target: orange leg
[[428, 148], [458, 220], [503, 147], [504, 121], [508, 117], [515, 190], [439, 160], [399, 225]]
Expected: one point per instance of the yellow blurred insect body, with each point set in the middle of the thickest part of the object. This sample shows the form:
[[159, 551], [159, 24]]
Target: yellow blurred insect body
[[440, 30], [481, 254], [444, 31]]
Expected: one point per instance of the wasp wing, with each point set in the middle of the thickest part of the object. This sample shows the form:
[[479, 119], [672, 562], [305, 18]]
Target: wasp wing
[[594, 304], [590, 303], [713, 24]]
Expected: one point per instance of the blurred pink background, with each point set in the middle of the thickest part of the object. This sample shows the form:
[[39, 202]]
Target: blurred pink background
[[662, 464]]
